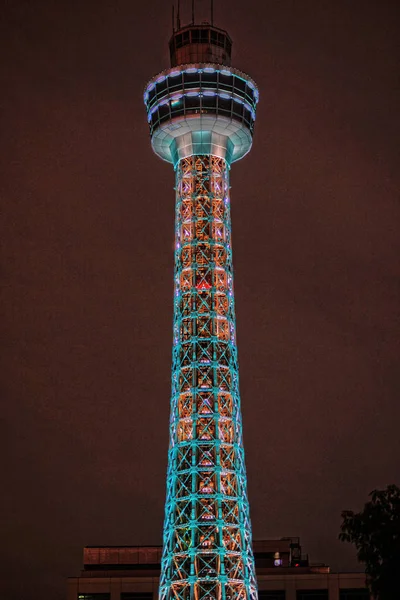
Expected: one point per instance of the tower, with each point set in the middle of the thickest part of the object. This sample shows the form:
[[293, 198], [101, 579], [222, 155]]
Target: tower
[[201, 114]]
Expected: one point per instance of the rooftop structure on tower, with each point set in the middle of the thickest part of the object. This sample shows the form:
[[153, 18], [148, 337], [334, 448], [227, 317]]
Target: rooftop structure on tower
[[201, 113]]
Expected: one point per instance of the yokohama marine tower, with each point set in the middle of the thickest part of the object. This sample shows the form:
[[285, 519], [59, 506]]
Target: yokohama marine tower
[[201, 115]]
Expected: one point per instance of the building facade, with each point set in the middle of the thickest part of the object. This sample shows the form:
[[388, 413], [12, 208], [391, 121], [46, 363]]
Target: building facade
[[132, 573]]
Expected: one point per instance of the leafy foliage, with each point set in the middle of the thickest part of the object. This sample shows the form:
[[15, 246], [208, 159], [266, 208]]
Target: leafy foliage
[[375, 532]]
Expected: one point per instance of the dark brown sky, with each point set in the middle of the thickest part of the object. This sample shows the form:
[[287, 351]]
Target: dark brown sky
[[87, 254]]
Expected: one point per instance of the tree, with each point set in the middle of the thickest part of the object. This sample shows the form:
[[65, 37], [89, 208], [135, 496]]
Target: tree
[[375, 532]]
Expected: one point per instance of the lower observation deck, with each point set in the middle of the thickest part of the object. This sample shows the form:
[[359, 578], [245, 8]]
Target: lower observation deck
[[201, 109]]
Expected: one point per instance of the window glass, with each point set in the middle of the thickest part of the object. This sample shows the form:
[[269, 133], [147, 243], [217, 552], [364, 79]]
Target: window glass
[[161, 87], [209, 78], [247, 114], [195, 36], [225, 81], [312, 595], [271, 594], [238, 109], [152, 94], [192, 103], [224, 105], [204, 36], [175, 83], [240, 84], [177, 110], [136, 595], [94, 596], [191, 80], [209, 102], [354, 594], [250, 94], [163, 111]]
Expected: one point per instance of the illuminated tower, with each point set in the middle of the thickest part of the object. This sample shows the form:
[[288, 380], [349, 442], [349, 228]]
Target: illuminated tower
[[201, 114]]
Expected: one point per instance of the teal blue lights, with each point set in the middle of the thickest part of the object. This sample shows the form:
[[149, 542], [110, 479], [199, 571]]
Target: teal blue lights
[[207, 551]]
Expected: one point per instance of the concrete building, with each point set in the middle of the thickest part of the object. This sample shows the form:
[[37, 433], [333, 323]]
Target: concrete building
[[283, 573]]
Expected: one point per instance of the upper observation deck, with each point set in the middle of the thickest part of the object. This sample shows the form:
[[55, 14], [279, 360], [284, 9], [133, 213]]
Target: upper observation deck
[[200, 44]]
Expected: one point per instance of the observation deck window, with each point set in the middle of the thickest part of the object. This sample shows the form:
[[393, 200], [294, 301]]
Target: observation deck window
[[175, 83], [209, 102], [209, 78], [204, 36], [152, 94], [200, 36], [192, 102], [225, 81], [163, 111], [191, 80], [240, 84], [238, 109], [214, 37], [161, 87], [224, 105]]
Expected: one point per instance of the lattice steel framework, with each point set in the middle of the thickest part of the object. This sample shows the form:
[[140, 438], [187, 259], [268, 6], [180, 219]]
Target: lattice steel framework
[[207, 534]]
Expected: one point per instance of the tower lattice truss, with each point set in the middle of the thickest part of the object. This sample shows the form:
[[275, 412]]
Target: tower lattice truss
[[207, 535]]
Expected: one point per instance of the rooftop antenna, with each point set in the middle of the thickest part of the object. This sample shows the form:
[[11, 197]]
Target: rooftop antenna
[[178, 16], [192, 12], [173, 18], [212, 12]]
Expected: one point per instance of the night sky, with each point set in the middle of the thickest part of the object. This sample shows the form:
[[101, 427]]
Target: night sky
[[87, 265]]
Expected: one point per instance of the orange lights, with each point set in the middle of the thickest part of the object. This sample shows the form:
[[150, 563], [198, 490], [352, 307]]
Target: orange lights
[[185, 405], [186, 279], [225, 405], [222, 329], [185, 430], [220, 280]]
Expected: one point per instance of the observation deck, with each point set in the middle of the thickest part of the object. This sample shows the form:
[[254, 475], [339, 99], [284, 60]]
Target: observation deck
[[203, 106]]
